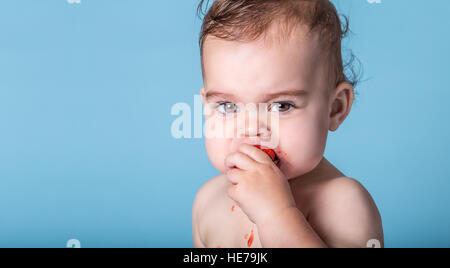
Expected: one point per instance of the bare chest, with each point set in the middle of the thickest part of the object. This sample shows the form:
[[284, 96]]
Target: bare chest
[[231, 228]]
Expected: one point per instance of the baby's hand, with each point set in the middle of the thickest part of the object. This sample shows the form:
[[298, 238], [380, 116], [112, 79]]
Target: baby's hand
[[258, 186]]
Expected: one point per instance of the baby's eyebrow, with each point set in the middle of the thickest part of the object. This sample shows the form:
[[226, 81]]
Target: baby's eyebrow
[[211, 94], [287, 93], [267, 97]]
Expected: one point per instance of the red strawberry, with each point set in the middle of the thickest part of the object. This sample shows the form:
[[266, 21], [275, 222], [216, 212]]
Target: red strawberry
[[270, 153]]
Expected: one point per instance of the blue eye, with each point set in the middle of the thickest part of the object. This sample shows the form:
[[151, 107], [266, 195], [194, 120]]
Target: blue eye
[[227, 107], [281, 107]]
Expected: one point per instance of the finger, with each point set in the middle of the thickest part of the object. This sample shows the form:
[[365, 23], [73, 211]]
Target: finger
[[255, 153], [239, 160], [232, 193], [233, 176]]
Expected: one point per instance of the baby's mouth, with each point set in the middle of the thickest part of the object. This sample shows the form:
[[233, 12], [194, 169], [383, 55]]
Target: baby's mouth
[[271, 153]]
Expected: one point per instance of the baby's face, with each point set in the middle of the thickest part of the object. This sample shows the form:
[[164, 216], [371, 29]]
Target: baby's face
[[289, 76]]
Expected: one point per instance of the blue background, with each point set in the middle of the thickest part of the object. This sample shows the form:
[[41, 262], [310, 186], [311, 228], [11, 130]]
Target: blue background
[[85, 97]]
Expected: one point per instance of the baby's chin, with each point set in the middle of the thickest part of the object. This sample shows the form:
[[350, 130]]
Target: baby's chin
[[294, 171]]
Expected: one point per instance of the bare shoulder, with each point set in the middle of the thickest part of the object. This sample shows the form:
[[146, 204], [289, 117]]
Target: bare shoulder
[[206, 197], [208, 192], [344, 214]]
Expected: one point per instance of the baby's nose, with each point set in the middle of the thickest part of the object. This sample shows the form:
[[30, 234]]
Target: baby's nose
[[256, 125], [255, 132]]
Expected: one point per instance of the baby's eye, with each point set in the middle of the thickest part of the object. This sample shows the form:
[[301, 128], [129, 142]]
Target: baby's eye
[[227, 107], [281, 107]]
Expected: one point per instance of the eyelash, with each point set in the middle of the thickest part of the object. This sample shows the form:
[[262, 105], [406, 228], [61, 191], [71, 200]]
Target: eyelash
[[291, 106]]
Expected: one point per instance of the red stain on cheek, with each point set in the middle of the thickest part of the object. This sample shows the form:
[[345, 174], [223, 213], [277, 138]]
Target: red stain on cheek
[[250, 240], [283, 154], [232, 208]]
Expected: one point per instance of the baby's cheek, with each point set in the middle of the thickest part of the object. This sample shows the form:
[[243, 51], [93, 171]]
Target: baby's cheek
[[304, 146], [216, 149]]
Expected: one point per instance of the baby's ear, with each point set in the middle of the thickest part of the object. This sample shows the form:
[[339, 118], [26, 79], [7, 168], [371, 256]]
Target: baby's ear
[[341, 104]]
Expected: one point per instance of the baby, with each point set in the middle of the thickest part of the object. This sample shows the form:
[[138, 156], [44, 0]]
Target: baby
[[285, 54]]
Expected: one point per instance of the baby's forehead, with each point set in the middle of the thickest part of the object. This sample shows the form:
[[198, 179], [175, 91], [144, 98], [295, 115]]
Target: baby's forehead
[[265, 63]]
